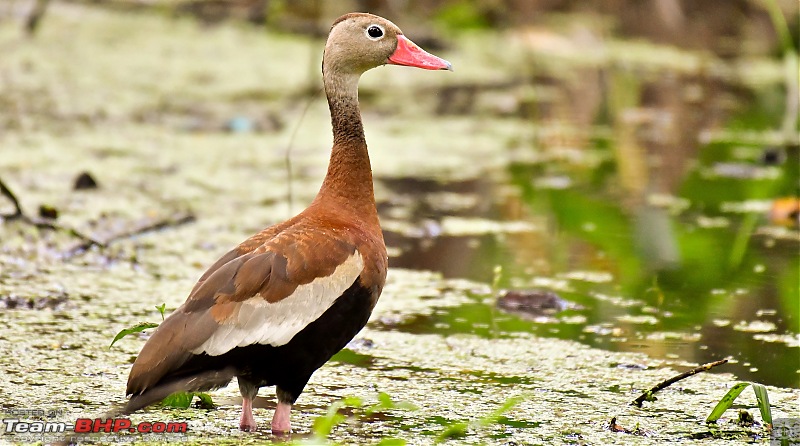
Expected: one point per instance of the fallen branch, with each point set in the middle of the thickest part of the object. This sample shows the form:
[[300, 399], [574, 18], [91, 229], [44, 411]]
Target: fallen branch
[[143, 227], [6, 192], [88, 241], [648, 395], [45, 224], [37, 222], [35, 17]]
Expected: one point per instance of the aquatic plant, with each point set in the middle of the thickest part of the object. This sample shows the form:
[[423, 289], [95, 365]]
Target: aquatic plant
[[179, 400], [140, 327], [727, 401]]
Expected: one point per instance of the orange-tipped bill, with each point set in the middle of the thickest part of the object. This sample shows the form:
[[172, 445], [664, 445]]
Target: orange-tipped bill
[[409, 54]]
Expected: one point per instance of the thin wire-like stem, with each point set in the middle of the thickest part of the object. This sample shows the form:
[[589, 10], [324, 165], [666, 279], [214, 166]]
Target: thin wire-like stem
[[288, 153]]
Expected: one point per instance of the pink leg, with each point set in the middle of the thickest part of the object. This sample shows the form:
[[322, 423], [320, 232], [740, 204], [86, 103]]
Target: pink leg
[[247, 423], [280, 421]]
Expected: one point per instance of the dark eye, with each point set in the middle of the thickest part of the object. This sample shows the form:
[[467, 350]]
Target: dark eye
[[375, 32]]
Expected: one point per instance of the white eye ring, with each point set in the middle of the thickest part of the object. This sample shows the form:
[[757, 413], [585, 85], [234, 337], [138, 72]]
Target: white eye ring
[[375, 32]]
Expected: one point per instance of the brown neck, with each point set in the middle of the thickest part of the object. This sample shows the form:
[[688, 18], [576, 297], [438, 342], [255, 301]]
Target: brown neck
[[348, 183]]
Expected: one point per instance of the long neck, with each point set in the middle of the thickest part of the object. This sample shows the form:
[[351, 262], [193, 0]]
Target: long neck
[[348, 183]]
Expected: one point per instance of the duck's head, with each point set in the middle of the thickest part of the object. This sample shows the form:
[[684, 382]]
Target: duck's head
[[359, 41]]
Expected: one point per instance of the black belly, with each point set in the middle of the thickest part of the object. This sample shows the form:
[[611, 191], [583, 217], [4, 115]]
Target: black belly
[[290, 366]]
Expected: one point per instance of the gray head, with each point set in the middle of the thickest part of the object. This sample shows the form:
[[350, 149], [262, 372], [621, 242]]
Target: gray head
[[358, 42]]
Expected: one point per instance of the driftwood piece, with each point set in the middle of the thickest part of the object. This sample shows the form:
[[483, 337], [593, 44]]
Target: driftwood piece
[[666, 383], [145, 225]]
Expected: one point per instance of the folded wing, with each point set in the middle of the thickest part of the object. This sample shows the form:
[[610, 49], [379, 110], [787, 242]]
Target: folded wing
[[262, 296]]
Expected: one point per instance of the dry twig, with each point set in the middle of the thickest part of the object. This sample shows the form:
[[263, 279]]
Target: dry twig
[[6, 192], [648, 395], [143, 227], [88, 241]]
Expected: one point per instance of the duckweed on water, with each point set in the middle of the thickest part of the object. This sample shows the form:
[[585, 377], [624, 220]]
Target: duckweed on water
[[433, 342], [434, 372]]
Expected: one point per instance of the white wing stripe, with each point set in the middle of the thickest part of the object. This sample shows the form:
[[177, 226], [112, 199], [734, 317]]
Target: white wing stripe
[[262, 322]]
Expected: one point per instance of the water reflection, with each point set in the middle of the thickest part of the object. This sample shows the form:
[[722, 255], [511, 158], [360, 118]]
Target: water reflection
[[647, 204], [649, 279]]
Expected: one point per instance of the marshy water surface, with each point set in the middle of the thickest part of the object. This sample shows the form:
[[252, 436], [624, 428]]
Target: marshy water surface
[[651, 190]]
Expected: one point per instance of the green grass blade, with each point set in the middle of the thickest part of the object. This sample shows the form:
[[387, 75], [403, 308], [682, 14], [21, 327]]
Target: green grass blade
[[324, 424], [352, 401], [763, 402], [141, 326], [726, 402], [495, 415], [392, 442], [457, 429], [780, 25], [385, 402]]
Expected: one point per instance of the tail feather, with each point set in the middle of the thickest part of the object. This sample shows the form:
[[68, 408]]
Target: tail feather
[[200, 382]]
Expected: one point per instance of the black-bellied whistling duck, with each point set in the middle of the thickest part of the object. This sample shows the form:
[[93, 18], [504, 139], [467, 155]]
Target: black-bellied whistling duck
[[278, 306]]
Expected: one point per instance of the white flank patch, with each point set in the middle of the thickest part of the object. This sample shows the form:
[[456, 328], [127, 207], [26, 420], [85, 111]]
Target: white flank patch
[[262, 322]]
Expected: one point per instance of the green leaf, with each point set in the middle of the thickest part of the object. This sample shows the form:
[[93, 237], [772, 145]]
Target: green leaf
[[492, 417], [763, 402], [348, 356], [726, 402], [392, 442], [385, 403], [180, 400], [141, 326], [352, 401], [205, 401], [453, 430], [405, 405], [161, 309], [323, 424], [385, 399]]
